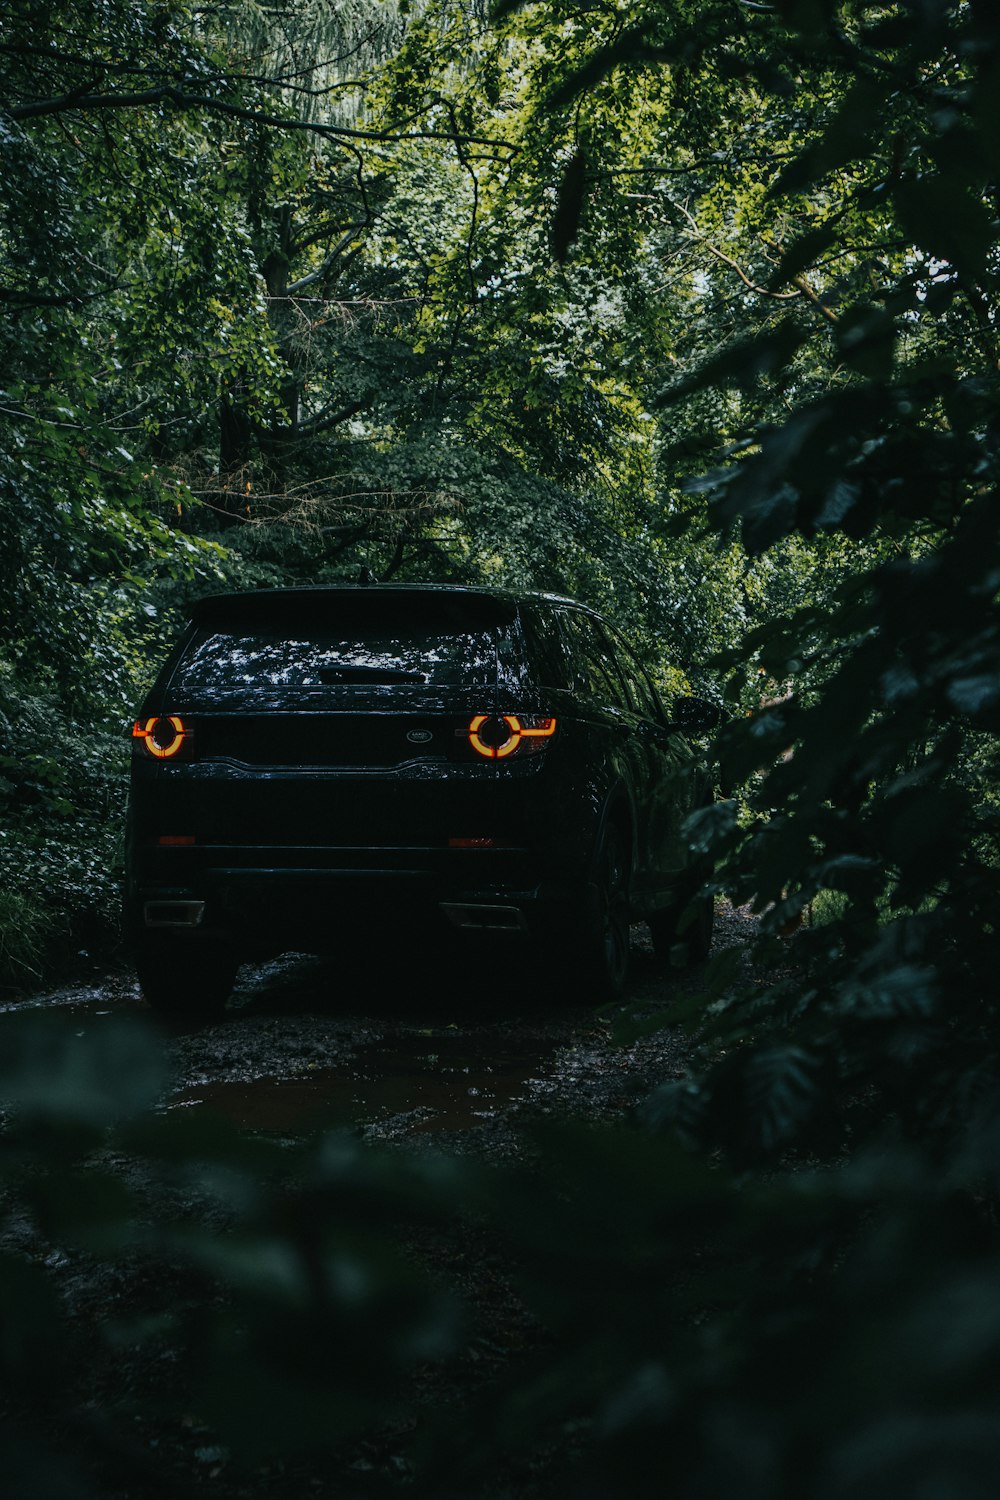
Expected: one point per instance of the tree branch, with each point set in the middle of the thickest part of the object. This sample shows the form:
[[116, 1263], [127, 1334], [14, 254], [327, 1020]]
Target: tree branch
[[19, 298], [327, 265], [169, 93], [806, 289], [325, 420], [395, 562], [813, 296], [762, 291]]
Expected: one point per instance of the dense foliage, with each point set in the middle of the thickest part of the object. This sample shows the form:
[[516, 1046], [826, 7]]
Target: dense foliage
[[689, 310]]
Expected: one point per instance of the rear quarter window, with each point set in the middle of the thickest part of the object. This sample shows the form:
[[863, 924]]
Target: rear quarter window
[[544, 648], [593, 666]]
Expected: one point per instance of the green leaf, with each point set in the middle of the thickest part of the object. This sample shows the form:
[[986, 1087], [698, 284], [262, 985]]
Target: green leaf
[[50, 1070], [848, 136], [569, 205], [947, 221], [802, 253], [781, 1091]]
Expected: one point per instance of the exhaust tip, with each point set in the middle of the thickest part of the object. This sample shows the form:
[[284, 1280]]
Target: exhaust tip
[[472, 917], [173, 913]]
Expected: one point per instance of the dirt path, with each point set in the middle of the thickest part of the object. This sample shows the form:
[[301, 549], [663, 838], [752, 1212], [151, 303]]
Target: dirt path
[[458, 1058], [461, 1060]]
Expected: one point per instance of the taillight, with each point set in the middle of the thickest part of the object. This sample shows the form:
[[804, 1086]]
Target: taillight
[[165, 737], [496, 736]]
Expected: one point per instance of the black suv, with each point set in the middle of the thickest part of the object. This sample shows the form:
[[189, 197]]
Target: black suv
[[496, 761]]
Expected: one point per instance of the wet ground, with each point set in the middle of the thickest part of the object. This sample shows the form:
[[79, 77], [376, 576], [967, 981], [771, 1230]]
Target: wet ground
[[459, 1052], [456, 1047]]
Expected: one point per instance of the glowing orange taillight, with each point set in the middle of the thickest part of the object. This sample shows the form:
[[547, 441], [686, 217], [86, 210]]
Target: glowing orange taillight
[[497, 736], [164, 736]]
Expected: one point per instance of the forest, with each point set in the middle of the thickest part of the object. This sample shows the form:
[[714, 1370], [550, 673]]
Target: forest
[[687, 309]]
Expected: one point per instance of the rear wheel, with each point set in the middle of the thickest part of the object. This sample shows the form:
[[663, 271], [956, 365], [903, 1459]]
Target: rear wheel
[[184, 978], [605, 936]]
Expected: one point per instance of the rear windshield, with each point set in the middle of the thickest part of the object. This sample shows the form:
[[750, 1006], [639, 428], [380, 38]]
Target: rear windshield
[[366, 642]]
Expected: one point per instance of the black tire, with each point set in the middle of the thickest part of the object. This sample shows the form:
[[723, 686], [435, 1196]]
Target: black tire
[[691, 945], [184, 978], [605, 929]]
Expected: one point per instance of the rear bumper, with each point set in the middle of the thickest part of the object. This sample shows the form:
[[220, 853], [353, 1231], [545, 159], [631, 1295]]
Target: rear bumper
[[311, 896]]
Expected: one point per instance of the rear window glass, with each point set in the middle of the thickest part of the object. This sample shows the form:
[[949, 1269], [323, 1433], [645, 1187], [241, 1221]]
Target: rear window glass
[[364, 643]]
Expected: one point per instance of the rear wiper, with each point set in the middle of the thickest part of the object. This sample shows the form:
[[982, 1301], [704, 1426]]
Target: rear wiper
[[375, 676]]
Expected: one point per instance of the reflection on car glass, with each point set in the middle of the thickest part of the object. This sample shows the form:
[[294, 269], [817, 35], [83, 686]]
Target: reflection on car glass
[[228, 660]]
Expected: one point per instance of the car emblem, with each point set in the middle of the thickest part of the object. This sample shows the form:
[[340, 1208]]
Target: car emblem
[[419, 736]]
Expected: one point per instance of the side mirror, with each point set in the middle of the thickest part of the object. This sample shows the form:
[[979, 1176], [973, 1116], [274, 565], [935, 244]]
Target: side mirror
[[695, 716]]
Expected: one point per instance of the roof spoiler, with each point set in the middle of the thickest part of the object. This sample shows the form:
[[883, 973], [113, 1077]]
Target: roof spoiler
[[322, 599]]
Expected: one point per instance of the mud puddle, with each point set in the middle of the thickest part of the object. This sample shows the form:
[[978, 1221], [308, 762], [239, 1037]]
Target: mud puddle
[[114, 995], [437, 1082]]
